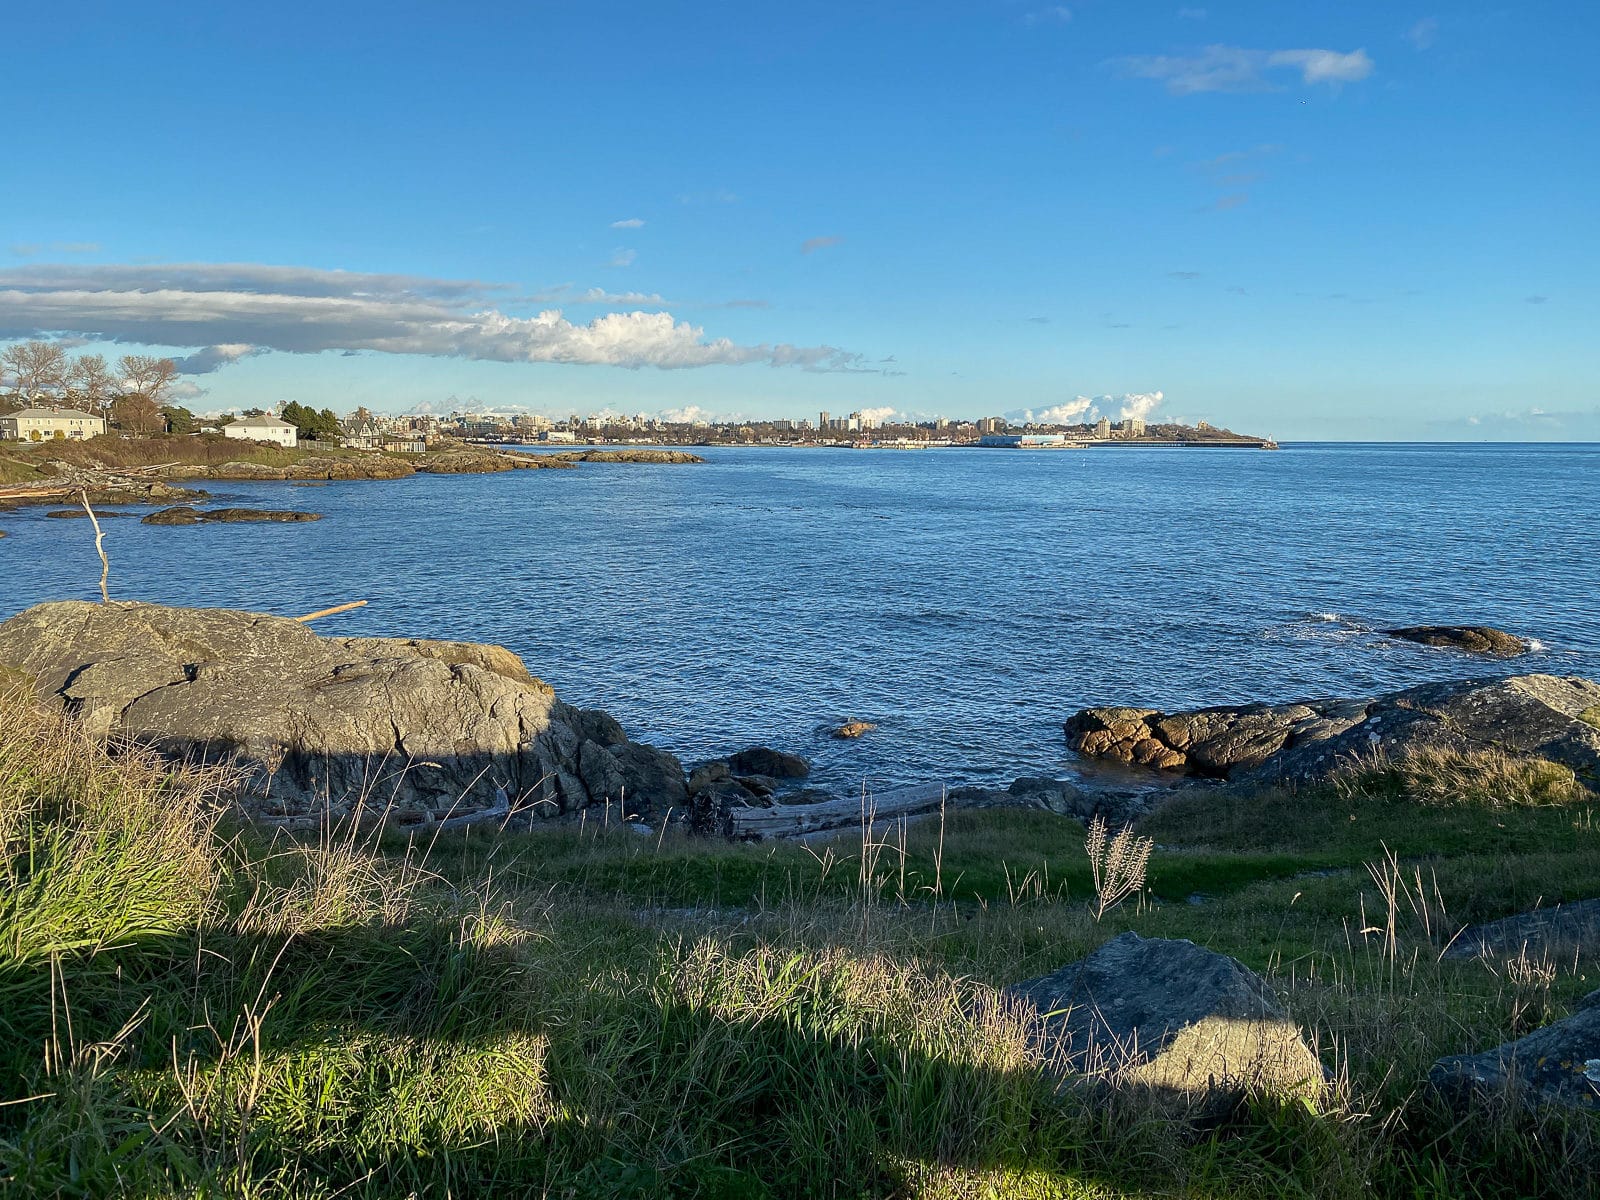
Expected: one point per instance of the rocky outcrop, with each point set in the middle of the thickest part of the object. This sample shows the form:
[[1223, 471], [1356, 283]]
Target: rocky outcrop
[[634, 455], [185, 515], [850, 729], [1474, 639], [313, 467], [1556, 932], [1557, 1065], [763, 760], [1169, 1016], [1541, 715], [69, 514], [483, 462], [411, 729]]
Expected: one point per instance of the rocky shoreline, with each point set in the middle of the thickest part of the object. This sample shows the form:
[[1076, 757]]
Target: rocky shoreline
[[423, 732]]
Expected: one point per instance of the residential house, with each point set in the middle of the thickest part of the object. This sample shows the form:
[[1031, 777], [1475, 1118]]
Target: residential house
[[263, 429], [41, 424]]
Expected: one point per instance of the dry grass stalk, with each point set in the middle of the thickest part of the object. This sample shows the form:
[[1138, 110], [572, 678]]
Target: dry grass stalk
[[1117, 864]]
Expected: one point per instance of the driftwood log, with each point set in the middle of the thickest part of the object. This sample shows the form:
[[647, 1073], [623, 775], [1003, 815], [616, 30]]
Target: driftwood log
[[794, 820]]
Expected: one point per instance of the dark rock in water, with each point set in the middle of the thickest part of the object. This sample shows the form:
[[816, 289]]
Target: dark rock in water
[[763, 760], [635, 455], [1556, 932], [399, 728], [185, 515], [806, 796], [705, 775], [181, 514], [228, 516], [1475, 639], [761, 785], [1169, 1016], [1539, 715], [68, 514], [849, 730], [1557, 1065]]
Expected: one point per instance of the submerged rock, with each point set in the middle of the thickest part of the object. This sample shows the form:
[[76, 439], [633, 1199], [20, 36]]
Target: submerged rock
[[1557, 1065], [409, 729], [184, 514], [1170, 1016], [1541, 715], [1475, 639], [69, 514]]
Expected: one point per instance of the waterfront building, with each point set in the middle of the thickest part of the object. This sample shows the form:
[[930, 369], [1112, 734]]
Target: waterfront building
[[1102, 429], [822, 420], [41, 424], [1133, 427], [263, 429]]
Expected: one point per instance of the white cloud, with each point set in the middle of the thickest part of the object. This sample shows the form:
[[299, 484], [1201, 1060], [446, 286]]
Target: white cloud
[[1055, 14], [812, 245], [226, 311], [204, 361], [1138, 404], [1068, 412], [1423, 34], [1325, 66], [1236, 69], [622, 257], [630, 223], [879, 415], [686, 415], [601, 296]]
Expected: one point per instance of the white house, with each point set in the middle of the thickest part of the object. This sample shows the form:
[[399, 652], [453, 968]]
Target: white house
[[39, 424], [263, 429]]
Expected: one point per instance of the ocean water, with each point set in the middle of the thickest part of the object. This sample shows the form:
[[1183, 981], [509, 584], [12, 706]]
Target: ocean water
[[965, 601]]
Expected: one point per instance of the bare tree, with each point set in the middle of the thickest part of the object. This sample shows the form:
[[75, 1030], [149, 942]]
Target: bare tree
[[138, 414], [93, 381], [40, 368], [148, 376]]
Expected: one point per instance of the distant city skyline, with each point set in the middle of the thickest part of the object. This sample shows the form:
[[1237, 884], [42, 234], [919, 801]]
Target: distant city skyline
[[1361, 223]]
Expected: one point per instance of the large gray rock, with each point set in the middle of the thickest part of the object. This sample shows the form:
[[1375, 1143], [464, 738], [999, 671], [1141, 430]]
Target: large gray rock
[[412, 728], [1169, 1016], [1544, 715], [1557, 932], [1557, 1065]]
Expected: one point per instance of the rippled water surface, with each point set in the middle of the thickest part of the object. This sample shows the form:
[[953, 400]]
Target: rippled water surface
[[966, 601]]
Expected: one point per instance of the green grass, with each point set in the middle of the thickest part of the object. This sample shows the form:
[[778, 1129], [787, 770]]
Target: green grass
[[192, 1009]]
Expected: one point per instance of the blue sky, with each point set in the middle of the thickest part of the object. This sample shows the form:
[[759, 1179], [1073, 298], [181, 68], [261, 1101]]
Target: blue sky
[[1361, 220]]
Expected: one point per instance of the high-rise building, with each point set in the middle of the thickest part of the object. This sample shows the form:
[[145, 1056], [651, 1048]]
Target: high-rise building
[[1133, 426], [1102, 429], [822, 420]]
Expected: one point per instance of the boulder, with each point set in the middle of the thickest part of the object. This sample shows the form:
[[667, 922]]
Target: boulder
[[851, 729], [1557, 1065], [706, 774], [763, 760], [1557, 932], [1169, 1016], [404, 727], [1057, 795], [1543, 715], [1474, 639], [186, 515]]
